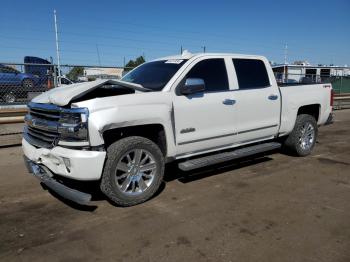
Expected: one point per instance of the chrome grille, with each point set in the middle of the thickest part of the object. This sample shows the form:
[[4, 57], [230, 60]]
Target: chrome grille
[[48, 115], [42, 122]]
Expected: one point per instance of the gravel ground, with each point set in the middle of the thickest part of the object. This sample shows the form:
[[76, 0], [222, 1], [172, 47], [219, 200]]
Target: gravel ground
[[273, 208]]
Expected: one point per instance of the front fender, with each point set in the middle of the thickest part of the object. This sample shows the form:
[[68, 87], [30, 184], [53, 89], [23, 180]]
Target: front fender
[[131, 115]]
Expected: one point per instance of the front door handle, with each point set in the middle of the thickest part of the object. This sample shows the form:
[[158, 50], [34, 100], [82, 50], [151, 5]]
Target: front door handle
[[273, 97], [229, 102]]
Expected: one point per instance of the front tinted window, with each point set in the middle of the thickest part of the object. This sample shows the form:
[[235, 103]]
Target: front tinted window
[[154, 75], [251, 73], [213, 72]]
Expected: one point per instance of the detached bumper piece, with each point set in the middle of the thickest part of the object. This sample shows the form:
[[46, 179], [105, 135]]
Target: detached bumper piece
[[46, 177]]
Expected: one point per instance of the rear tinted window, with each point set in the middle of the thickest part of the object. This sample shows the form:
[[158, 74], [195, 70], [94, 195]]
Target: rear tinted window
[[213, 72], [251, 73]]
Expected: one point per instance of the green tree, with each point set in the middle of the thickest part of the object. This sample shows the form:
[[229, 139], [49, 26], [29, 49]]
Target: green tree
[[134, 63], [75, 72]]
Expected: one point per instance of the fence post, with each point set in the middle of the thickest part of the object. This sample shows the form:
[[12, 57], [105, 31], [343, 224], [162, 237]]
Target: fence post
[[54, 76], [341, 85]]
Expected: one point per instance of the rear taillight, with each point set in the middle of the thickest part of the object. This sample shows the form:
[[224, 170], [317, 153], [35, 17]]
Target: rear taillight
[[332, 97]]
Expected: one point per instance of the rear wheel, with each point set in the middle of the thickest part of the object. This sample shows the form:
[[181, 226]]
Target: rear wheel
[[27, 83], [133, 171], [9, 98], [302, 139]]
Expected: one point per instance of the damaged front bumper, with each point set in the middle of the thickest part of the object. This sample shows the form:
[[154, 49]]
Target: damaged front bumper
[[47, 178], [77, 165], [70, 163]]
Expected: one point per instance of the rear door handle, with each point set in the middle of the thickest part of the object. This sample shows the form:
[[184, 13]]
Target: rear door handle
[[229, 102], [273, 97]]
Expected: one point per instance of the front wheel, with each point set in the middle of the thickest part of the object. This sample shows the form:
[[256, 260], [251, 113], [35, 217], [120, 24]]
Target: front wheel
[[133, 171], [302, 139]]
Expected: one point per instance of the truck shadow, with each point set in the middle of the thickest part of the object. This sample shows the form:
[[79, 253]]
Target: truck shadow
[[172, 172]]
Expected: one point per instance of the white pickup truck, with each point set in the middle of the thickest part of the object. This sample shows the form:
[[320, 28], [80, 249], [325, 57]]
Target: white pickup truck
[[197, 110]]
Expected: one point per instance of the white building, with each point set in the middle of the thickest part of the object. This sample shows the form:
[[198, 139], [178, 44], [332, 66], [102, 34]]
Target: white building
[[103, 72], [296, 73]]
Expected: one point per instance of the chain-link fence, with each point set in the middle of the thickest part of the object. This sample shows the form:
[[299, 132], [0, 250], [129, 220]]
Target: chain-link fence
[[20, 82], [340, 84]]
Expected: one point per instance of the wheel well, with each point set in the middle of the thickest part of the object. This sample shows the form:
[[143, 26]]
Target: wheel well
[[313, 110], [26, 79], [154, 132]]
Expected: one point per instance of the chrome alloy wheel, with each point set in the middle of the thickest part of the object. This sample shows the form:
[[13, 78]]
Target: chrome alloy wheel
[[307, 136], [135, 171]]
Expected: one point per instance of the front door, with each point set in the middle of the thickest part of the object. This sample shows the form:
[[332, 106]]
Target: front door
[[206, 120]]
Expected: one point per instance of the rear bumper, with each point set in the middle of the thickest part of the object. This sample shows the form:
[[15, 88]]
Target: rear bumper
[[46, 177]]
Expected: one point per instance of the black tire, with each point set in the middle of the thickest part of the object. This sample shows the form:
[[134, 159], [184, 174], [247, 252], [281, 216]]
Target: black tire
[[115, 154], [28, 84], [9, 98], [294, 143]]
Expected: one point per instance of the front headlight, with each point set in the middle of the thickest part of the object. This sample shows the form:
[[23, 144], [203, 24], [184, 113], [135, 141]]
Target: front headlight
[[73, 125]]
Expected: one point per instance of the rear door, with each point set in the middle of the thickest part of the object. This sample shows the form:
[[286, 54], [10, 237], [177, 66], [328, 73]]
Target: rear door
[[257, 100], [205, 121]]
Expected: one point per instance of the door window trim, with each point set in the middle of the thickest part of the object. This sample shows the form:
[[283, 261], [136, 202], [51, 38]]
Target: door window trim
[[181, 78], [236, 77]]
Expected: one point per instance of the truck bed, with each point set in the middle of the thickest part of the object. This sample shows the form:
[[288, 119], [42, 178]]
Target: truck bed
[[299, 84], [304, 94]]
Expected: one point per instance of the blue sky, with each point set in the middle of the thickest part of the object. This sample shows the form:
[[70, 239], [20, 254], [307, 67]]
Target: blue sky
[[317, 31]]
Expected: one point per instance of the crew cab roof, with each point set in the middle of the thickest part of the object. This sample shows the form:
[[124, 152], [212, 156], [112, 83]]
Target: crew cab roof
[[187, 55]]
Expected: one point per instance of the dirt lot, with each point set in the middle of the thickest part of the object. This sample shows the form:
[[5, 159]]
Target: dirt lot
[[274, 208]]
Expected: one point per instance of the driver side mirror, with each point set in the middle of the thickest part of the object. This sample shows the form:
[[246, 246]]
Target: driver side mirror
[[192, 86]]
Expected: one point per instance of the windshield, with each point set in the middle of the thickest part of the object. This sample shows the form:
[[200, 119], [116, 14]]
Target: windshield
[[154, 75]]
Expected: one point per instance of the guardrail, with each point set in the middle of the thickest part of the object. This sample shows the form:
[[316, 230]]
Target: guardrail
[[342, 102], [16, 115], [11, 116]]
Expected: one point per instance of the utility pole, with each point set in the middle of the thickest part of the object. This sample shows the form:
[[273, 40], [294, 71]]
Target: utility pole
[[181, 50], [98, 55], [57, 49], [203, 49]]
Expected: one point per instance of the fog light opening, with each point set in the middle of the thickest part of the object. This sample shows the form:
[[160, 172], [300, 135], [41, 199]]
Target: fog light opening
[[67, 163]]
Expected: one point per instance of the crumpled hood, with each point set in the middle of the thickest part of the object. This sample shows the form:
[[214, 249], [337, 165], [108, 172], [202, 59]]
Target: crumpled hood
[[61, 96]]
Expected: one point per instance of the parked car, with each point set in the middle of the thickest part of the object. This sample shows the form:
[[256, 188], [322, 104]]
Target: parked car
[[14, 84], [63, 80], [196, 110]]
